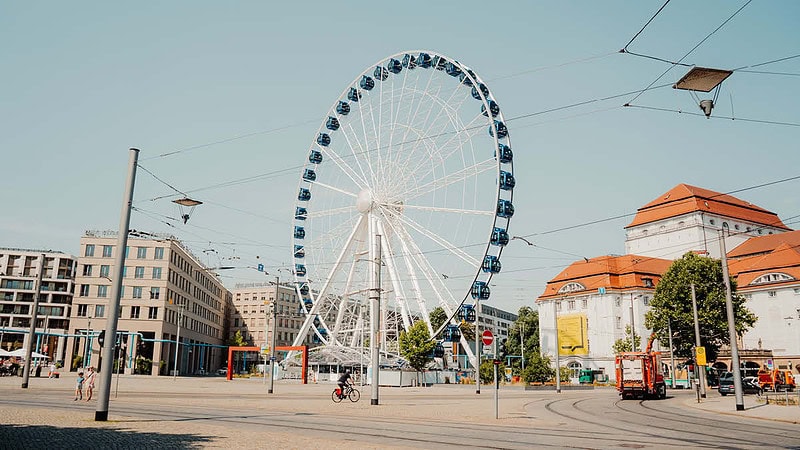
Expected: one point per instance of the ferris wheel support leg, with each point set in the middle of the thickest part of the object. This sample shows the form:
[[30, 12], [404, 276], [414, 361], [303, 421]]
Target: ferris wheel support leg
[[375, 302]]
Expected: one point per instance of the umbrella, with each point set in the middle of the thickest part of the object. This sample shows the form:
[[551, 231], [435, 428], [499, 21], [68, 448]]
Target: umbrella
[[20, 353]]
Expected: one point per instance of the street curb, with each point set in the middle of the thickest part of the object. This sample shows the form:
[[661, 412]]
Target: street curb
[[695, 405]]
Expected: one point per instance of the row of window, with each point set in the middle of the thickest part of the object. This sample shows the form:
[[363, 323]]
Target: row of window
[[103, 291], [134, 312], [138, 271], [108, 250]]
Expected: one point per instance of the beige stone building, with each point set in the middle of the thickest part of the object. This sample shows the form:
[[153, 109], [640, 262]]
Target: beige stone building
[[19, 270], [166, 293]]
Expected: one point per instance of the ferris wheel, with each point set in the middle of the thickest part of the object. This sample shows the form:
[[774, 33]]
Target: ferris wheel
[[411, 170]]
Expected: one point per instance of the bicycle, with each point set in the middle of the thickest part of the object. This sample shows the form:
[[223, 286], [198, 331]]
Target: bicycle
[[347, 392]]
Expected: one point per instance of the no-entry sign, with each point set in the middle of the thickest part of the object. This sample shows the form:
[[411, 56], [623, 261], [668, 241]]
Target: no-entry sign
[[487, 337]]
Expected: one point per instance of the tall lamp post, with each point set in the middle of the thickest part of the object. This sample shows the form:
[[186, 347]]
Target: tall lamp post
[[737, 373], [274, 308], [558, 358], [175, 368]]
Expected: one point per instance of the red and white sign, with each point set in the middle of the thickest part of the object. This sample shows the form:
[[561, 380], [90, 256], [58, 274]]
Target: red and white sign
[[487, 337]]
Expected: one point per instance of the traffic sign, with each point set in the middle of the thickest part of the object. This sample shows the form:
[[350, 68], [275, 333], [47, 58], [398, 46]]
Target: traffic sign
[[700, 355], [487, 337]]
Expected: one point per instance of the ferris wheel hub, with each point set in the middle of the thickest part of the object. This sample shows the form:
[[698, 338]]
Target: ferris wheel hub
[[365, 201]]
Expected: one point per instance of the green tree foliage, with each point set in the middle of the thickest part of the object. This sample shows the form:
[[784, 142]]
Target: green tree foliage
[[673, 302], [537, 369], [624, 345], [565, 374], [236, 340], [487, 371], [527, 327], [438, 317], [416, 345]]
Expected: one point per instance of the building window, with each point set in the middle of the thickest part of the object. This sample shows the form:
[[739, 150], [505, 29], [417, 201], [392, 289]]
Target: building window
[[138, 272], [124, 271], [82, 310], [137, 292], [152, 313], [558, 306], [141, 252], [84, 290], [102, 291], [772, 293], [583, 303], [648, 282], [121, 291], [107, 251], [89, 251], [618, 322], [571, 304], [156, 273], [127, 251], [236, 322], [646, 300], [99, 310], [134, 312], [155, 293], [87, 270], [712, 222], [159, 253], [736, 226], [104, 270], [796, 291], [574, 369]]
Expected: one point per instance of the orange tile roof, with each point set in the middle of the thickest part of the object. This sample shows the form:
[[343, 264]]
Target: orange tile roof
[[610, 272], [765, 244], [686, 199], [784, 258]]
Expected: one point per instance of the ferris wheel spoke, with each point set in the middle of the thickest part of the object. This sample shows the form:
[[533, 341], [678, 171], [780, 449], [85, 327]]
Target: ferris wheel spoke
[[443, 243], [357, 176], [389, 258], [332, 212], [476, 212], [440, 183], [335, 189]]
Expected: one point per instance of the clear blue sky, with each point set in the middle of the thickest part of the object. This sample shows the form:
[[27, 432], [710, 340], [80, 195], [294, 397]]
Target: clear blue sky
[[82, 82]]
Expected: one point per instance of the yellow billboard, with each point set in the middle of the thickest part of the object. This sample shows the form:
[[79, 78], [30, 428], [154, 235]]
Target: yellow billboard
[[573, 337]]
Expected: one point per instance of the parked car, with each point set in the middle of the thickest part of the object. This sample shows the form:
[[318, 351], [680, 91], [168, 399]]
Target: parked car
[[223, 371], [749, 385]]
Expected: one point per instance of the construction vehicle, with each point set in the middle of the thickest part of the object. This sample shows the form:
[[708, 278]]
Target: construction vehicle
[[639, 373], [776, 380]]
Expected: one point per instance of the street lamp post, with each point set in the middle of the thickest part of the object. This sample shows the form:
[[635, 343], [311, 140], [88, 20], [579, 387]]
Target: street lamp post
[[26, 372], [633, 328], [558, 358], [737, 373], [522, 343], [175, 369], [274, 308]]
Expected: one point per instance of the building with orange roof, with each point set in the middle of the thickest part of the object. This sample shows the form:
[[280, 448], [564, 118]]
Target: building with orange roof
[[586, 308], [688, 218]]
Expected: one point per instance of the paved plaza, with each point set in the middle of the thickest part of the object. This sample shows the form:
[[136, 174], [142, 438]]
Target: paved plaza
[[211, 412]]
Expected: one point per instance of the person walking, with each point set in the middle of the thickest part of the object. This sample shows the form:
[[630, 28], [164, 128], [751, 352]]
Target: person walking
[[51, 370], [90, 383], [79, 387]]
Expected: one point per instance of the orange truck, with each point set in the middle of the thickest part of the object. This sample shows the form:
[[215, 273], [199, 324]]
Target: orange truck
[[776, 380], [639, 373]]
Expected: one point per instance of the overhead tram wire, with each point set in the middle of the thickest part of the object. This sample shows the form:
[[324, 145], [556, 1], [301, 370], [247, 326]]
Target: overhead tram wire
[[689, 52], [625, 48], [738, 119]]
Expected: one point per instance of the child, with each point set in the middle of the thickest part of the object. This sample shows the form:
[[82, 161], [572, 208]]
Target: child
[[79, 387]]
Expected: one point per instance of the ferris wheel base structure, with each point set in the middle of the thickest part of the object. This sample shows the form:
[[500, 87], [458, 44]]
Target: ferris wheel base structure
[[411, 173]]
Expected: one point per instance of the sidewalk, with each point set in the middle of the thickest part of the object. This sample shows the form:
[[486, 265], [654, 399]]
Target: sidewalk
[[754, 407]]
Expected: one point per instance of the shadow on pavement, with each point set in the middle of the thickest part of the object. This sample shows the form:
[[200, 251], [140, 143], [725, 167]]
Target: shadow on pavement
[[46, 436]]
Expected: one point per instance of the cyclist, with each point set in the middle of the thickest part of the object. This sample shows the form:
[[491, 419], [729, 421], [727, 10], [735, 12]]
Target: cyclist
[[344, 380]]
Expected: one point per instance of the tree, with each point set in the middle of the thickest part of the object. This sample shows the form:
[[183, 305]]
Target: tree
[[624, 345], [527, 327], [672, 304], [416, 345], [537, 369], [438, 317], [236, 340], [487, 371]]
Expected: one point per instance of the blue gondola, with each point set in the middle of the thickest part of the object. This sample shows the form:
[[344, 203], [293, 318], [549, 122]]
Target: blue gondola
[[300, 213], [452, 69], [315, 157], [506, 155], [324, 139], [480, 290], [332, 123], [507, 181], [304, 289], [309, 175], [439, 62], [366, 83], [308, 302], [494, 108], [424, 60], [499, 237], [343, 108], [466, 313], [299, 251], [484, 90], [380, 73], [300, 270], [304, 195], [409, 61], [438, 351], [502, 131], [491, 264], [505, 208], [452, 333], [394, 66], [465, 79], [299, 232], [353, 95]]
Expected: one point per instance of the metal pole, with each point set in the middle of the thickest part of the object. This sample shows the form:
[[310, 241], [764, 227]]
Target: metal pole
[[558, 358], [633, 328], [175, 369], [32, 330], [119, 368], [700, 370], [101, 413], [274, 305], [496, 383], [375, 303], [671, 352], [522, 344], [737, 374], [478, 350]]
